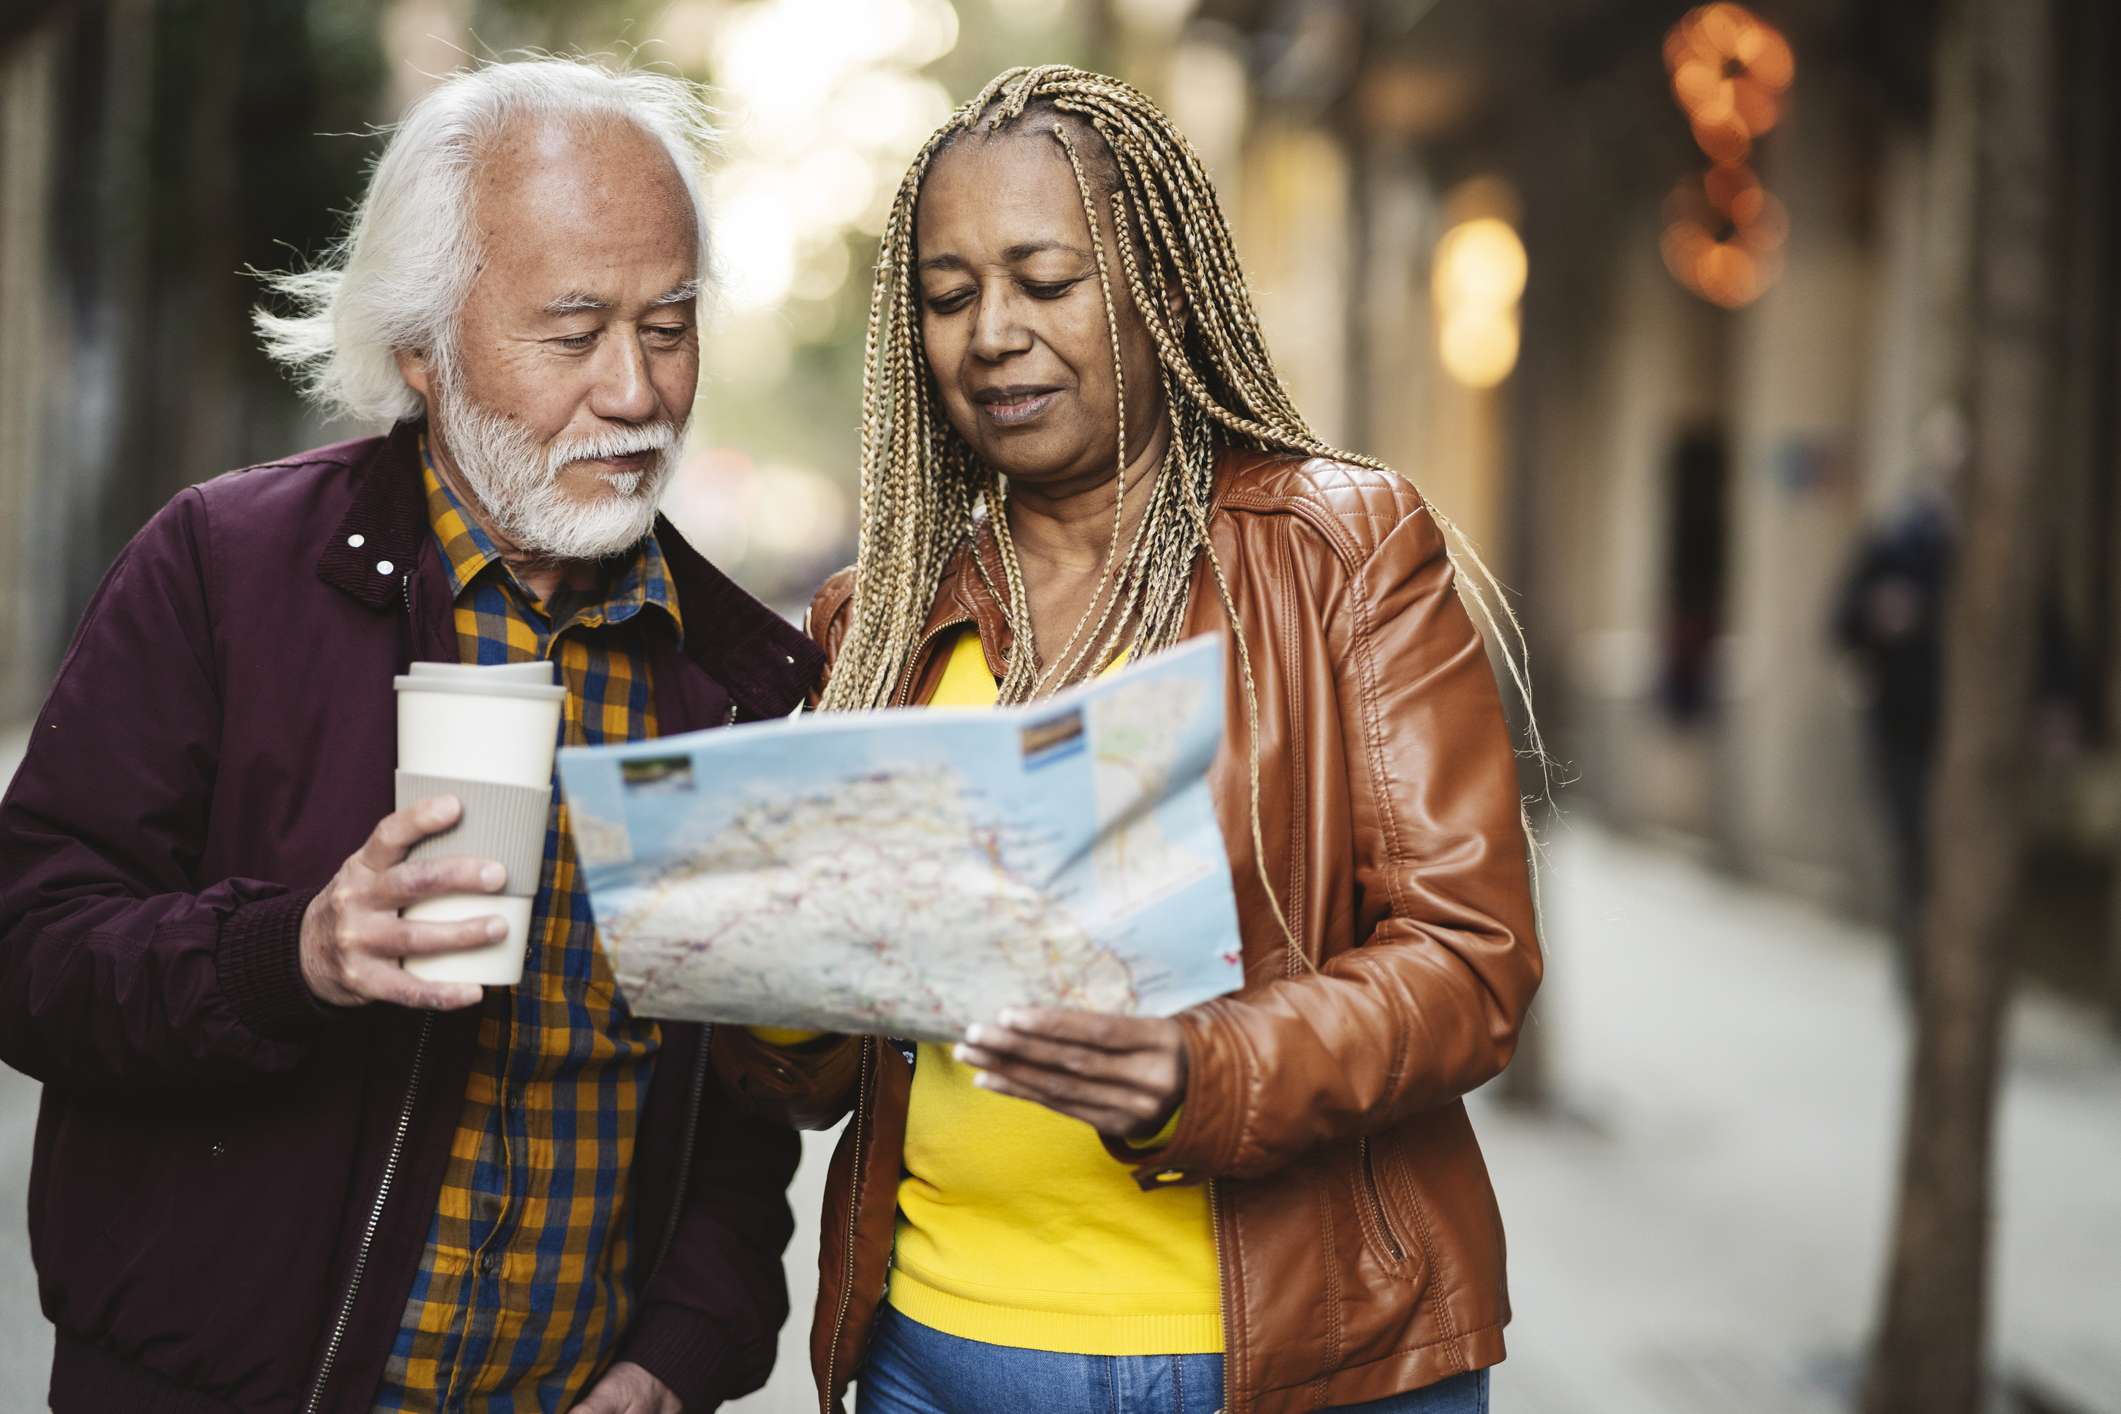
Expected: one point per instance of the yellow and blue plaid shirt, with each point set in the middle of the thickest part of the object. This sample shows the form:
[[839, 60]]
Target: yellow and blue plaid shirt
[[522, 1294]]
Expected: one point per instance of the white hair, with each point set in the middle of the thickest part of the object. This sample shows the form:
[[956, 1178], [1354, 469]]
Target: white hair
[[398, 278]]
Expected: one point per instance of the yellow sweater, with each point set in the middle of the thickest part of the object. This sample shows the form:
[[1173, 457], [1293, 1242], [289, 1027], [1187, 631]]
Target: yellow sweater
[[1017, 1228]]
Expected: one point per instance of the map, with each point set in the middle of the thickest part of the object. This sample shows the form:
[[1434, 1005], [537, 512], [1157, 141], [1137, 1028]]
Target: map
[[914, 872]]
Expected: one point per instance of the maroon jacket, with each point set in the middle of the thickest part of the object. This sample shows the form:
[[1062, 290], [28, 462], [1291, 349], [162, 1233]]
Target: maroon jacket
[[232, 1185]]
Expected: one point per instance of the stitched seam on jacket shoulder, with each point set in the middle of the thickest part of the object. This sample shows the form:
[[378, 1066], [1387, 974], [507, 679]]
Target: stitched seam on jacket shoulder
[[1364, 650], [1309, 511], [1293, 903]]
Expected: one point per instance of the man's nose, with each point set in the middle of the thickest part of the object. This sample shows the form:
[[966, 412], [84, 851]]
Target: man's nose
[[623, 390]]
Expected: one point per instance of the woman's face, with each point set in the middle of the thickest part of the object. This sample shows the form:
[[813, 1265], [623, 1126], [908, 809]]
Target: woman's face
[[1012, 317]]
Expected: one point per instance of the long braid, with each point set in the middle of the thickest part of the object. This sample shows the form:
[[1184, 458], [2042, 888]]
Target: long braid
[[924, 495]]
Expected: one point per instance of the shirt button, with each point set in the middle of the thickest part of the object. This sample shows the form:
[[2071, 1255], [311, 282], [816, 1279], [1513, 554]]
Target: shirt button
[[356, 541], [1171, 1176], [490, 1262], [384, 567]]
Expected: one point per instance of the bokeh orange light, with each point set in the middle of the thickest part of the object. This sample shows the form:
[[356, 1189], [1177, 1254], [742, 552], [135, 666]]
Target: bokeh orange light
[[1730, 71], [1723, 235]]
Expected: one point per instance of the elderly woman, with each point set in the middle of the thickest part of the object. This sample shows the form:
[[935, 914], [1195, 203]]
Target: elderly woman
[[1076, 451]]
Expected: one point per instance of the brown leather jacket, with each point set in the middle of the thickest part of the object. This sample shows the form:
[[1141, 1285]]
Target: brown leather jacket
[[1360, 1246]]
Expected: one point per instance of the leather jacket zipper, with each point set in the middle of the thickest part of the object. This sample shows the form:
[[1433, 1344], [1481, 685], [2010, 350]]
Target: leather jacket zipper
[[1377, 1201], [1222, 1284], [692, 1134], [904, 696], [375, 1219], [829, 1394]]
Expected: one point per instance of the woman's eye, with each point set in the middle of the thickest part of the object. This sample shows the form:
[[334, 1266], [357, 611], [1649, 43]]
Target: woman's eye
[[950, 303], [1049, 290]]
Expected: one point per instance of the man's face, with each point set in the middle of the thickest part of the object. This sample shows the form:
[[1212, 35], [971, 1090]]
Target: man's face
[[577, 349]]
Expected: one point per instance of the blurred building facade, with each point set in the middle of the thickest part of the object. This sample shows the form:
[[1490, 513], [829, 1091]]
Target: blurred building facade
[[1676, 473]]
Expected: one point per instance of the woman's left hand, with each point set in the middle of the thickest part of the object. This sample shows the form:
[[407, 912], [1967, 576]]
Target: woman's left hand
[[1122, 1075]]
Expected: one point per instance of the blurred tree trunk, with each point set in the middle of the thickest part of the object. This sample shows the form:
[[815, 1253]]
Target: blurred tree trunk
[[29, 373], [114, 429], [202, 399], [1931, 1344]]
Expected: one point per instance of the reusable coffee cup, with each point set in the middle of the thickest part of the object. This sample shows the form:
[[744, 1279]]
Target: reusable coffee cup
[[486, 736]]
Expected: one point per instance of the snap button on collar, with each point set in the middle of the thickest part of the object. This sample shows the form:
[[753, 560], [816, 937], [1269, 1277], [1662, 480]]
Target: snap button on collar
[[356, 541], [384, 567]]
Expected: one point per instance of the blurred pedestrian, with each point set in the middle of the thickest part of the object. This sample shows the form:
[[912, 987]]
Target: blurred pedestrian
[[274, 1171], [1076, 451], [1889, 619]]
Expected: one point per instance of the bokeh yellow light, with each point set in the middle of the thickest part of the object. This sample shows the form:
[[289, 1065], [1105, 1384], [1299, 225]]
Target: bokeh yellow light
[[1477, 279], [1479, 264], [1479, 348]]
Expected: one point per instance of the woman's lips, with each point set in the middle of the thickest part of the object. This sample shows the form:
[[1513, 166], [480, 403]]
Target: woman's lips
[[1014, 412]]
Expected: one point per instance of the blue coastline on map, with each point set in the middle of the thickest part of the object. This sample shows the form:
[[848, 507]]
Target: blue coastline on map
[[1096, 799]]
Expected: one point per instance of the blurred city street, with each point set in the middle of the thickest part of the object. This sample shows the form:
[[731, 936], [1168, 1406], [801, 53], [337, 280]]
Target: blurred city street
[[1697, 1218]]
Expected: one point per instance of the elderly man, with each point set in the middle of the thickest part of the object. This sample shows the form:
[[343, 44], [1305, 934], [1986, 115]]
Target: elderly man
[[274, 1171]]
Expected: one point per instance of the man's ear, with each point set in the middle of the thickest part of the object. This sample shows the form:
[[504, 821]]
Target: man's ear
[[418, 372]]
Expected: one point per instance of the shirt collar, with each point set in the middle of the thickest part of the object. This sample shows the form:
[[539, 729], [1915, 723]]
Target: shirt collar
[[635, 581]]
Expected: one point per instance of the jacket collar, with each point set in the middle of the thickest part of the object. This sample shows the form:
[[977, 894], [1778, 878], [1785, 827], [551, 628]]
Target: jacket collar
[[760, 659], [378, 541]]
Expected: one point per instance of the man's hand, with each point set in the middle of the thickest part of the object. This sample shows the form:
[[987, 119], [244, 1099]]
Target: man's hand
[[353, 941], [628, 1389], [1122, 1075]]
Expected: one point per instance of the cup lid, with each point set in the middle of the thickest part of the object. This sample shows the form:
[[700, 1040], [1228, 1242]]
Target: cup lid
[[470, 685], [544, 671]]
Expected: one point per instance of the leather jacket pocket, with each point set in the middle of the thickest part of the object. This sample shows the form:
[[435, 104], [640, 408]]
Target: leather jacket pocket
[[1390, 1240]]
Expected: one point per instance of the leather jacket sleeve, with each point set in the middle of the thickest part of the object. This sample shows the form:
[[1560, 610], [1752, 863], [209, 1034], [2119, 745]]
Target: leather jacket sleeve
[[1427, 1005]]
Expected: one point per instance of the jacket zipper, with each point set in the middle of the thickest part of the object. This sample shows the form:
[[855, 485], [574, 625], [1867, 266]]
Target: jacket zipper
[[1377, 1201], [375, 1218], [1223, 1308], [829, 1395], [904, 696], [692, 1134]]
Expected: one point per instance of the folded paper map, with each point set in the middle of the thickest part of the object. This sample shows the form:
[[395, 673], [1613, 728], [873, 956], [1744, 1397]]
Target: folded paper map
[[913, 872]]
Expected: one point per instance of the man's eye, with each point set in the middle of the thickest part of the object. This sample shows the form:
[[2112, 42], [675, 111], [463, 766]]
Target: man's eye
[[669, 333], [574, 343]]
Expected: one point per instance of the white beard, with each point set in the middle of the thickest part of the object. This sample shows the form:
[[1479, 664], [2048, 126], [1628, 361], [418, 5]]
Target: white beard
[[517, 482]]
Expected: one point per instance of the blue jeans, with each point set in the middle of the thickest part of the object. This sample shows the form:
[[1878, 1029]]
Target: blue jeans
[[913, 1369]]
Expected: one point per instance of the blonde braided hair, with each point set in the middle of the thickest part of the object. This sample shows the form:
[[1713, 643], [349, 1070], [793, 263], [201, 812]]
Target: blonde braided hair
[[924, 495]]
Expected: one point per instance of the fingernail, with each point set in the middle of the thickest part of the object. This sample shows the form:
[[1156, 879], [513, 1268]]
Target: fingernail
[[442, 807], [493, 876], [961, 1054], [496, 928], [1011, 1018], [984, 1080], [975, 1036]]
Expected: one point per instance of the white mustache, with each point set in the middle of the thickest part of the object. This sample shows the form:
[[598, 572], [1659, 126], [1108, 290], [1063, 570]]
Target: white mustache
[[611, 442]]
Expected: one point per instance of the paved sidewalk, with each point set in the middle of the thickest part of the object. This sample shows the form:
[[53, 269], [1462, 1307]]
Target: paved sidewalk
[[1705, 1235], [1700, 1227]]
